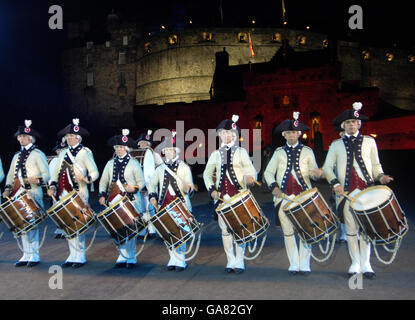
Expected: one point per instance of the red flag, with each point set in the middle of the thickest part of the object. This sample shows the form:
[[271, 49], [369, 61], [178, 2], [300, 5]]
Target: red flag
[[251, 50]]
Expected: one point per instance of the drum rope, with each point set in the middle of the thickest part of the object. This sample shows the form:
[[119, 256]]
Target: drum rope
[[259, 250], [1, 235], [395, 251], [194, 253], [45, 228], [251, 249], [333, 241], [90, 243], [138, 252]]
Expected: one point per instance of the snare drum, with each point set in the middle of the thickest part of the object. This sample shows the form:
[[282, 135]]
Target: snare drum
[[243, 217], [72, 215], [175, 224], [379, 214], [122, 221], [311, 216], [21, 214]]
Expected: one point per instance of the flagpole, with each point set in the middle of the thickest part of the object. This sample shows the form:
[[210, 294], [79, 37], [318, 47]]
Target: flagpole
[[284, 46]]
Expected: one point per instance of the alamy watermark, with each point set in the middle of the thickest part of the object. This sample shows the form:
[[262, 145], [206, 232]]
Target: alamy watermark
[[56, 281], [356, 281], [356, 20], [56, 20]]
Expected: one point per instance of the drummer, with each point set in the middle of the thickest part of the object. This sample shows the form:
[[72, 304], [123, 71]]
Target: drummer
[[235, 172], [173, 179], [52, 164], [288, 174], [82, 171], [122, 176], [145, 142], [357, 164], [28, 170]]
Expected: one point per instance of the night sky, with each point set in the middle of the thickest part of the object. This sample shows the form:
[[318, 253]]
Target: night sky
[[30, 56]]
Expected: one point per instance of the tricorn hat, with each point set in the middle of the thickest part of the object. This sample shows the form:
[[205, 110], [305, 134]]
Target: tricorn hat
[[145, 137], [73, 128], [172, 141], [292, 124], [26, 129], [350, 114], [122, 140], [229, 124]]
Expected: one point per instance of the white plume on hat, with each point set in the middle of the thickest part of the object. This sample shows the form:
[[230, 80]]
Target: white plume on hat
[[28, 123], [149, 132], [296, 114], [125, 132], [75, 122], [235, 118], [357, 106]]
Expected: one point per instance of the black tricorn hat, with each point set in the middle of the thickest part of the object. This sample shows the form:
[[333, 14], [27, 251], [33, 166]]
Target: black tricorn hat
[[122, 140], [59, 145], [350, 114], [172, 141], [27, 130], [229, 124], [73, 128], [145, 137], [292, 125]]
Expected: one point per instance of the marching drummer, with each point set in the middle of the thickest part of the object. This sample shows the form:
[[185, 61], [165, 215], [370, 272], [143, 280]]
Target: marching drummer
[[28, 170], [234, 171], [173, 179], [145, 142], [122, 176], [288, 173], [75, 170], [52, 164], [357, 164]]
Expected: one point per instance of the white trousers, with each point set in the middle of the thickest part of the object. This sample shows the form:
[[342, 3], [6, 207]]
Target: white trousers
[[77, 249], [359, 252], [30, 244], [299, 259], [127, 252], [177, 256], [235, 256]]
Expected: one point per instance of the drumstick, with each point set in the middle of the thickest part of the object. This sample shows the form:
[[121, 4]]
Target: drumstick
[[284, 196], [258, 183], [54, 199], [349, 197]]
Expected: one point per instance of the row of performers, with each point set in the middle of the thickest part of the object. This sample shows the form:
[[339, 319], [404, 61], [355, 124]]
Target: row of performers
[[352, 163]]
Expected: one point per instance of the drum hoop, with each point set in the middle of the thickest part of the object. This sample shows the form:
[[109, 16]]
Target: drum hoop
[[306, 202], [240, 195], [112, 207], [62, 201], [374, 209], [367, 190], [164, 210], [11, 200]]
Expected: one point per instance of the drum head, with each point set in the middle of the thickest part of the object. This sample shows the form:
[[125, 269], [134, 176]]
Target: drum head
[[58, 204], [371, 198], [232, 201], [301, 198]]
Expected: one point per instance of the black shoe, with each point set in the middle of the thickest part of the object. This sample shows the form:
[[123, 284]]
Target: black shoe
[[152, 235], [33, 263], [130, 265], [238, 270], [119, 265], [351, 274], [228, 270], [369, 275], [67, 264], [180, 269], [341, 241], [292, 273], [170, 268], [58, 236], [305, 273], [20, 264], [78, 265]]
